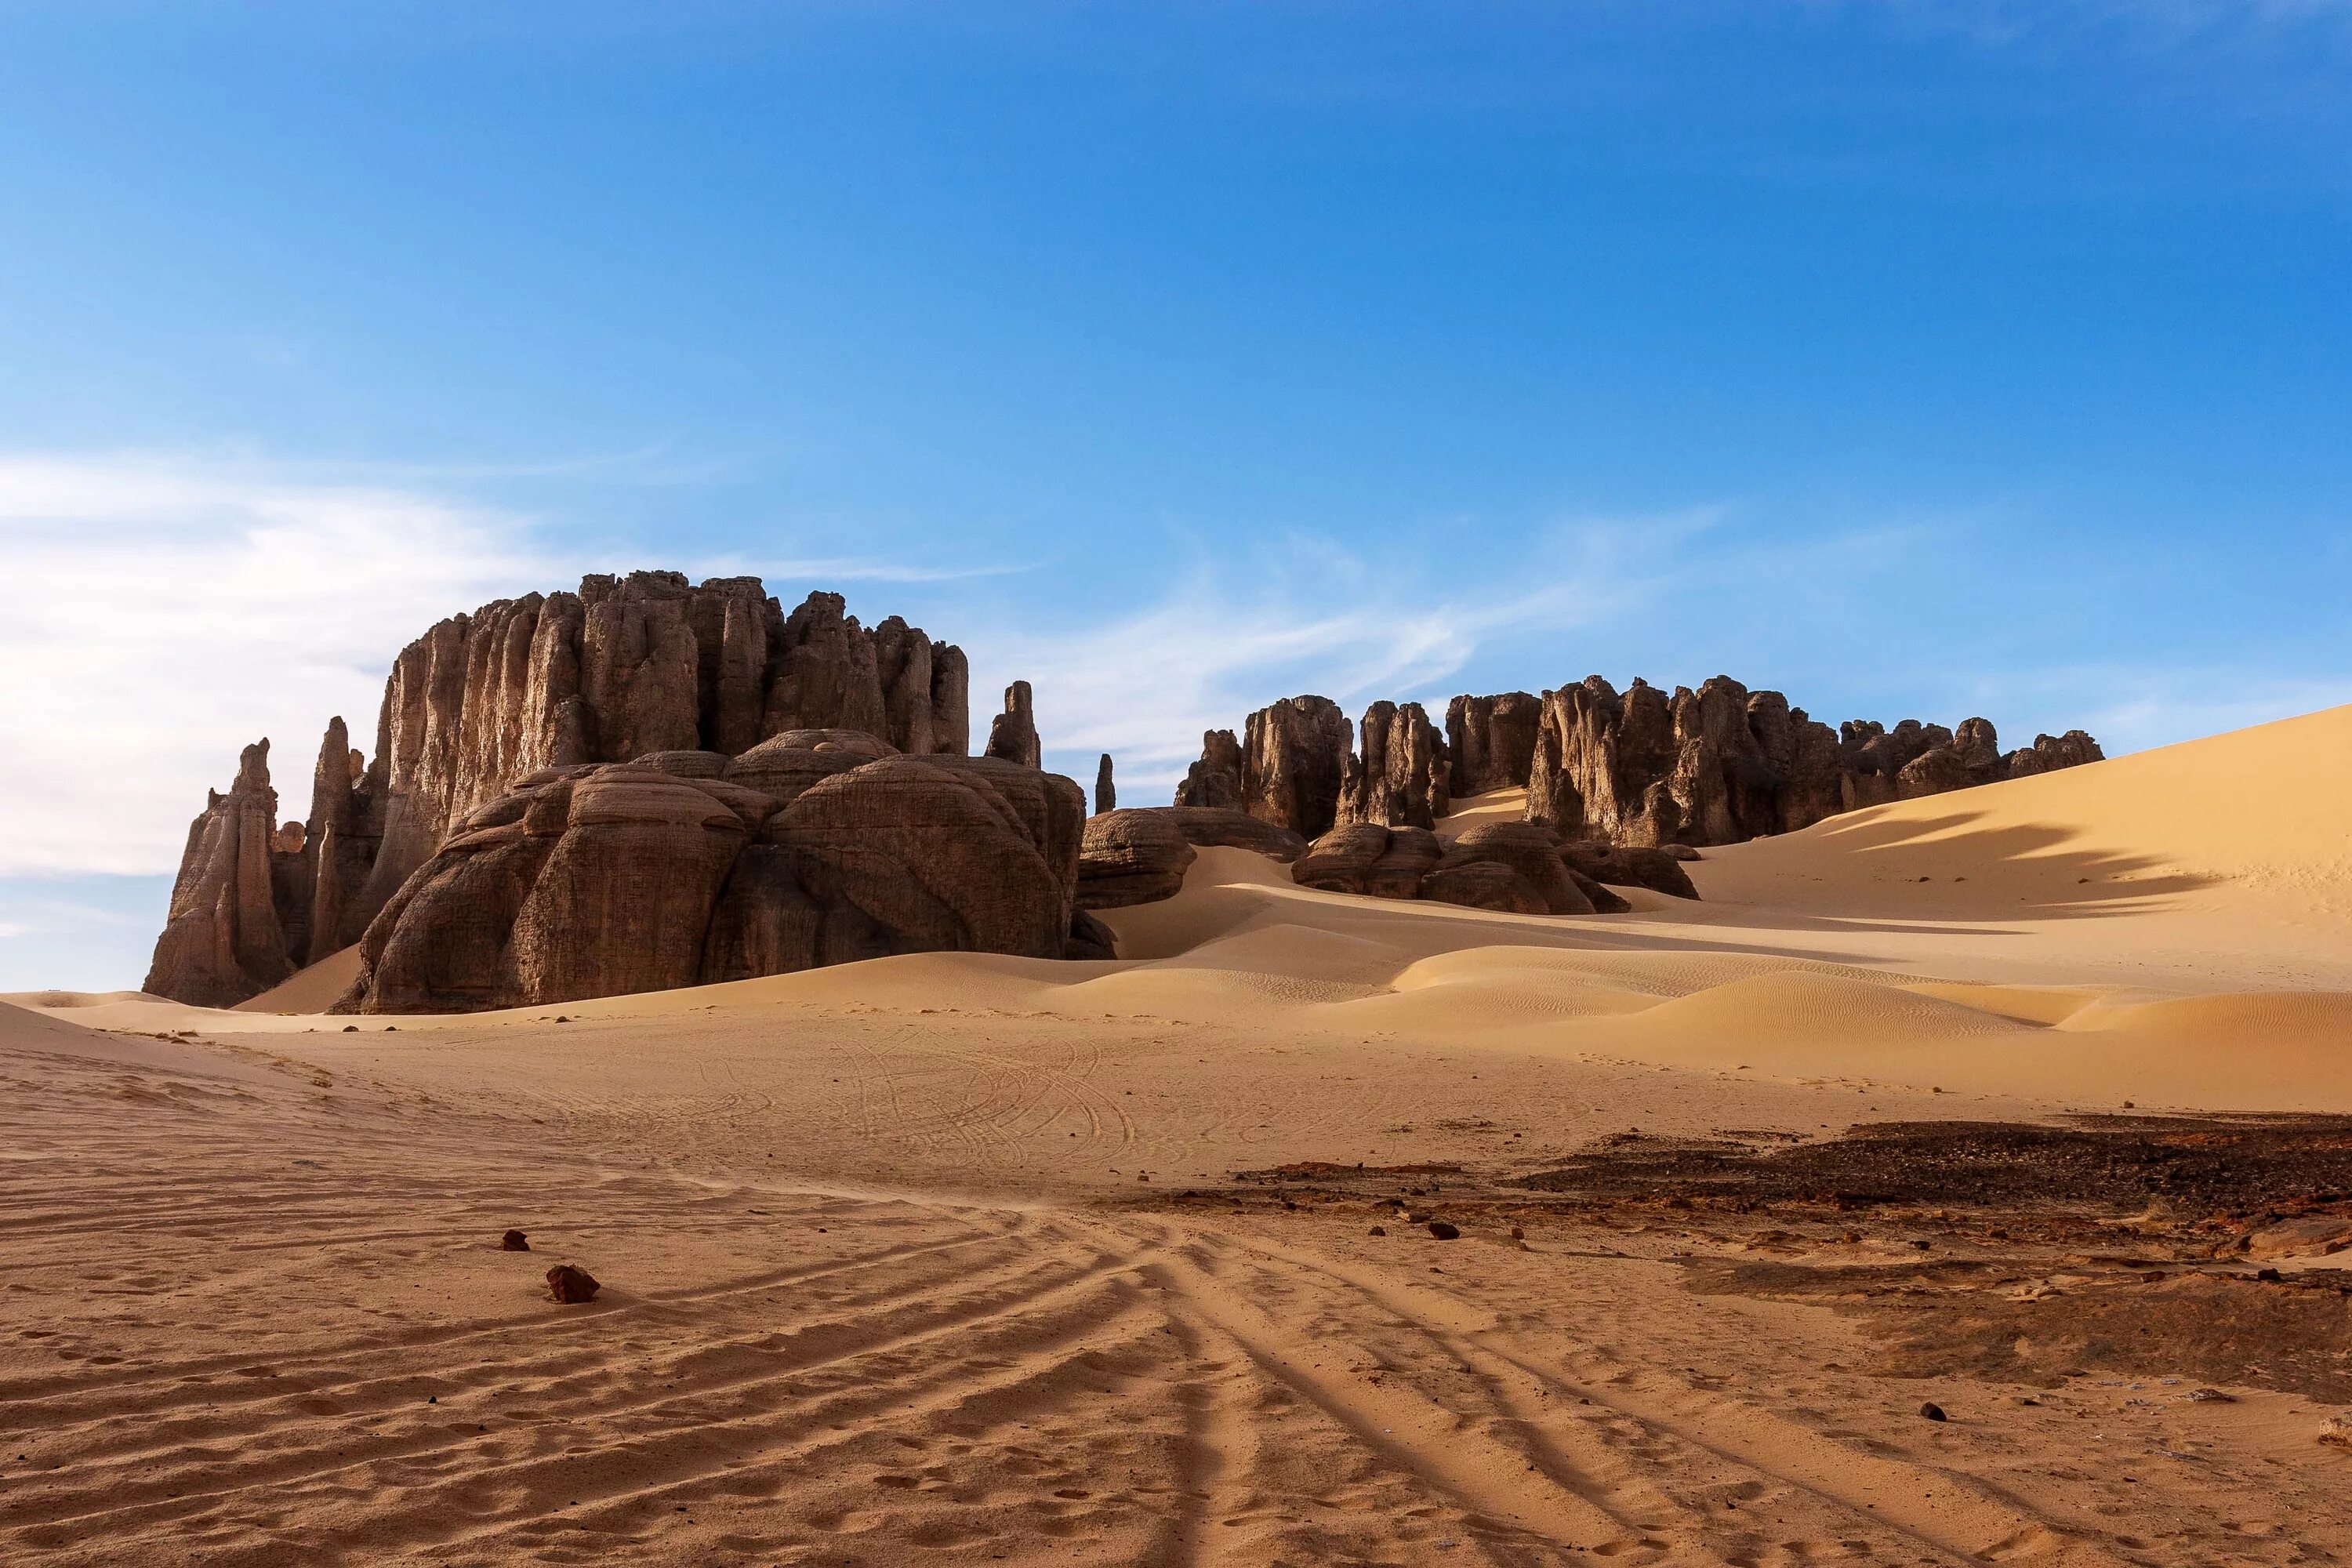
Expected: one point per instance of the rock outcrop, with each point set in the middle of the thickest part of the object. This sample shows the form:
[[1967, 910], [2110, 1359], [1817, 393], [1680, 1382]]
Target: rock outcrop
[[1527, 852], [1229, 827], [1289, 768], [1620, 786], [1508, 865], [1640, 768], [1012, 734], [1490, 741], [2050, 752], [1399, 778], [1215, 780], [1722, 764], [1106, 793], [625, 668], [688, 867], [1627, 866], [1133, 858], [225, 934]]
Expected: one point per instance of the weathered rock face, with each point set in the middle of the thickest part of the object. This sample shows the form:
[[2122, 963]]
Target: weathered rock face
[[1012, 734], [686, 867], [1601, 760], [1722, 764], [625, 668], [1509, 866], [224, 937], [1370, 859], [1106, 793], [1628, 866], [1133, 858], [1204, 826], [1294, 761], [2050, 752], [1527, 851], [1400, 778], [1215, 780], [1490, 741]]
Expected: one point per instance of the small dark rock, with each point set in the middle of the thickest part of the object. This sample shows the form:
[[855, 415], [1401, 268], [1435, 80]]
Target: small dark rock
[[1934, 1412], [1380, 1230], [350, 1028], [514, 1241], [1442, 1230], [2269, 1275], [571, 1284]]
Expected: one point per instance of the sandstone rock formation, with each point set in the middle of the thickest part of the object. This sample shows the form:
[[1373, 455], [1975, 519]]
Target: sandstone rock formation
[[1722, 764], [1012, 734], [1215, 780], [1294, 759], [1527, 852], [1509, 866], [1399, 778], [225, 936], [2050, 752], [1369, 860], [626, 667], [1105, 794], [1224, 825], [687, 866], [1627, 866], [1490, 741], [1288, 768], [1131, 857], [1618, 786]]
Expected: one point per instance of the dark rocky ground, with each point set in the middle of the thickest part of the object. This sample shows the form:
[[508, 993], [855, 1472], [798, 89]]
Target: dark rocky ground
[[2152, 1247]]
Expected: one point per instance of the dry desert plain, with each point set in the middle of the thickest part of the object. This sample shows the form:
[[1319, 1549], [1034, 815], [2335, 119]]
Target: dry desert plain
[[961, 1260]]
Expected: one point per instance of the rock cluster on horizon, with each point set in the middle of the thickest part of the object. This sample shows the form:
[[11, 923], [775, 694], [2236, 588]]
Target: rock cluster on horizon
[[689, 680], [1723, 764], [1718, 765]]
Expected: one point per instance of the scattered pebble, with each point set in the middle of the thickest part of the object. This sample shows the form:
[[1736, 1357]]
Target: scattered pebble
[[514, 1241], [1380, 1230], [1442, 1230], [1932, 1411]]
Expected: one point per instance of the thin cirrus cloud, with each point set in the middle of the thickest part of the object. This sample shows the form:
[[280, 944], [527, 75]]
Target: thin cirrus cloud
[[1144, 684], [164, 611]]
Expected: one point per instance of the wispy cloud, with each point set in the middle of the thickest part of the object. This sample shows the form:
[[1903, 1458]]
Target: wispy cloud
[[163, 612], [855, 569], [1314, 616]]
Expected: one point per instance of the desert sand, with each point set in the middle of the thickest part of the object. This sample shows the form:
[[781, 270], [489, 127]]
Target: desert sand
[[949, 1258]]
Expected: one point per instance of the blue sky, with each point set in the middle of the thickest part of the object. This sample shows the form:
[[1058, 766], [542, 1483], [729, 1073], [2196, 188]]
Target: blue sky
[[1915, 358]]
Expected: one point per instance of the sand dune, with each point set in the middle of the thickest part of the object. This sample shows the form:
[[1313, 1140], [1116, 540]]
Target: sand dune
[[314, 989], [900, 1263]]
